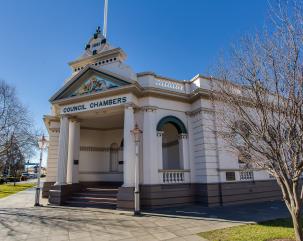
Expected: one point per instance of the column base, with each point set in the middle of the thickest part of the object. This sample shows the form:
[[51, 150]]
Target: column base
[[137, 213], [46, 187], [126, 198], [59, 194]]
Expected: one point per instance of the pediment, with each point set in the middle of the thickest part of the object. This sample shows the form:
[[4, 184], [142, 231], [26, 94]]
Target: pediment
[[94, 84], [88, 82]]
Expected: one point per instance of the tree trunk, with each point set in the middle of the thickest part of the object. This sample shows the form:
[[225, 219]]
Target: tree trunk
[[296, 220]]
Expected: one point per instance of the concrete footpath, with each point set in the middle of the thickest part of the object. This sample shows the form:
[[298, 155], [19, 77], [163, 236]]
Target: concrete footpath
[[19, 220]]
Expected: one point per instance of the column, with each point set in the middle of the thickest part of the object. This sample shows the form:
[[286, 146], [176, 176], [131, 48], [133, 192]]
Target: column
[[63, 151], [159, 155], [129, 147], [184, 155], [73, 152], [150, 162], [159, 149], [183, 150]]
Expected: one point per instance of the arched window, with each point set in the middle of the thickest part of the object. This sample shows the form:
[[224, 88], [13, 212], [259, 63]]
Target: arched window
[[114, 157], [170, 147], [171, 127], [178, 124]]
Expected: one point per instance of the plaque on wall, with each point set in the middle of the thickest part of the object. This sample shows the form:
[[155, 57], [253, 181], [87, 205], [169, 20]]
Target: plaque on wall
[[121, 162], [76, 162]]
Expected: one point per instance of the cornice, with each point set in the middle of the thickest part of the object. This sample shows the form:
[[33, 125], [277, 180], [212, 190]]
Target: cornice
[[98, 56], [148, 108], [107, 93], [199, 111]]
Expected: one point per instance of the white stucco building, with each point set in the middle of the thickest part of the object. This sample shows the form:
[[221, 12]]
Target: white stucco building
[[182, 159]]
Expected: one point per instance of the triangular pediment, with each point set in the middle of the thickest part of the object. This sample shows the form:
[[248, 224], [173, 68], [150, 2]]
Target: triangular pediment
[[87, 82], [94, 84]]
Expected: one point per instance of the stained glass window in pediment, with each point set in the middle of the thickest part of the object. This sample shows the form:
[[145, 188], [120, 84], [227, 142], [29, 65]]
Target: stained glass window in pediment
[[93, 85]]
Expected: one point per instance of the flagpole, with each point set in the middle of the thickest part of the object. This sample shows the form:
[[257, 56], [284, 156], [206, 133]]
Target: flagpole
[[105, 18]]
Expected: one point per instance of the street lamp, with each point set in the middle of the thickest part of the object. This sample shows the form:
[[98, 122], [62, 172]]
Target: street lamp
[[137, 133], [43, 143]]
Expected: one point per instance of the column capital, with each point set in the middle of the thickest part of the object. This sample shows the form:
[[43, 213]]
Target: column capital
[[160, 133], [64, 116], [129, 105], [74, 119], [183, 136], [149, 108]]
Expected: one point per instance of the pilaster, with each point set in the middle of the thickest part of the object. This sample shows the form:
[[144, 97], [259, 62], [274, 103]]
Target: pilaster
[[63, 151], [150, 148], [183, 149], [129, 147], [159, 149]]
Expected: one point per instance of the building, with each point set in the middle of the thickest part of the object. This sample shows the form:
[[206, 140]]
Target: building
[[181, 157]]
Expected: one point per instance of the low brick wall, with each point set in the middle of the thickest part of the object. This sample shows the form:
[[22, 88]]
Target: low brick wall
[[216, 194]]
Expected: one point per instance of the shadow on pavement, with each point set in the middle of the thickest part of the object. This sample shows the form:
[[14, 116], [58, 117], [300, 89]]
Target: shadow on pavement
[[256, 212]]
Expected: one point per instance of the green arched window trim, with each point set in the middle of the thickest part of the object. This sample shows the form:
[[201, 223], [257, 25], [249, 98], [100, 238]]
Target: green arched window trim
[[174, 121]]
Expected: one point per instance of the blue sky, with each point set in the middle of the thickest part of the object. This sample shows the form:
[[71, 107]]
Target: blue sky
[[174, 38]]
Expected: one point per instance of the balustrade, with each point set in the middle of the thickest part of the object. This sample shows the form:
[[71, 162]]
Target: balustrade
[[173, 176]]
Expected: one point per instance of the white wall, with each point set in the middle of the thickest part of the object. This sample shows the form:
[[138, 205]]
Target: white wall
[[94, 161], [208, 152]]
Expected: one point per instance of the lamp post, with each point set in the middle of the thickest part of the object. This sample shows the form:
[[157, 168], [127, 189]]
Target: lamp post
[[137, 133], [42, 145]]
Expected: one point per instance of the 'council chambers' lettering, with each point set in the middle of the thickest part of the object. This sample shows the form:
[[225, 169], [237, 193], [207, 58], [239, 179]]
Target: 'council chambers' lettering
[[95, 105]]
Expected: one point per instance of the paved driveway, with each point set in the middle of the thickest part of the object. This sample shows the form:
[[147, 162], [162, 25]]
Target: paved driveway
[[19, 220]]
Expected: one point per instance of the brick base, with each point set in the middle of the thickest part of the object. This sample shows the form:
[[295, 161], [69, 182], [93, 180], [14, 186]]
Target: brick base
[[158, 196], [46, 187], [59, 194]]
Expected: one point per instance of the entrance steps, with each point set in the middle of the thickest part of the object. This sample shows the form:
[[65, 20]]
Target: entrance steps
[[95, 197]]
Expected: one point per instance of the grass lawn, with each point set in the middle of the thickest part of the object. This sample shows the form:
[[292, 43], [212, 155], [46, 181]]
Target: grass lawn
[[270, 230], [8, 189]]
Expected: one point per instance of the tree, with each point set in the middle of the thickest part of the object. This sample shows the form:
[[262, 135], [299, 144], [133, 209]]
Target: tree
[[261, 111], [17, 134], [14, 159]]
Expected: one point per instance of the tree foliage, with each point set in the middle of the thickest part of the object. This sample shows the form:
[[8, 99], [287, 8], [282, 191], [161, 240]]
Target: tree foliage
[[17, 135], [262, 111]]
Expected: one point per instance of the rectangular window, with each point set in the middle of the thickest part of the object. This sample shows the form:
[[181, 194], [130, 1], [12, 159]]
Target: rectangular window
[[230, 176]]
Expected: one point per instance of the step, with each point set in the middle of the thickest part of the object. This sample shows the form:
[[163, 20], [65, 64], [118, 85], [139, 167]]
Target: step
[[94, 189], [100, 192], [91, 204], [95, 194], [94, 199]]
